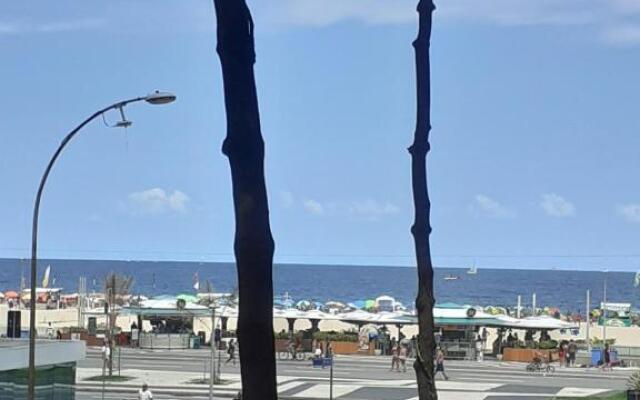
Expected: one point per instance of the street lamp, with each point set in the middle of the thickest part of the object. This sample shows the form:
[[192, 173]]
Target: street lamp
[[152, 98]]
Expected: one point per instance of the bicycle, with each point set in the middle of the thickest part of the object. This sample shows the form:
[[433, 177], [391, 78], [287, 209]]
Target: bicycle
[[538, 366]]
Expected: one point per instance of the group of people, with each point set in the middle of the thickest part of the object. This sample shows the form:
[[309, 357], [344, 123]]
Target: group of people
[[399, 360], [567, 353]]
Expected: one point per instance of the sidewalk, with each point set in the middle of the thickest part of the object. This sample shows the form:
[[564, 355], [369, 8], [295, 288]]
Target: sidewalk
[[163, 382]]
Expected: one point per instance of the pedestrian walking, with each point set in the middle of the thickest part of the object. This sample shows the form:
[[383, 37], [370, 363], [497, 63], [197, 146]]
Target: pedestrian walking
[[395, 360], [291, 348], [565, 350], [572, 349], [402, 358], [50, 332], [485, 336], [440, 364], [145, 393], [106, 356], [561, 354], [414, 347], [231, 351], [607, 358], [479, 351], [217, 337]]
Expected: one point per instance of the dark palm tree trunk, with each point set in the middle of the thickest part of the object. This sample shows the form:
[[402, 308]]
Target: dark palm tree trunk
[[253, 245], [421, 228]]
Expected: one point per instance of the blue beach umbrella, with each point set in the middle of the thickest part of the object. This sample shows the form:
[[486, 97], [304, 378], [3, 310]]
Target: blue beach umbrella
[[359, 304]]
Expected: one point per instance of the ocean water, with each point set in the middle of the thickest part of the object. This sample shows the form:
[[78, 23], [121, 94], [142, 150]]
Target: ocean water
[[563, 289]]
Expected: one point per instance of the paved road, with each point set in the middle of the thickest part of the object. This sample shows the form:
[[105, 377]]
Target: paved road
[[359, 378]]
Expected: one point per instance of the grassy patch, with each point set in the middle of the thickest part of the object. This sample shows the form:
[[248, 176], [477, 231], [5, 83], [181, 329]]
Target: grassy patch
[[201, 381], [107, 378], [615, 396]]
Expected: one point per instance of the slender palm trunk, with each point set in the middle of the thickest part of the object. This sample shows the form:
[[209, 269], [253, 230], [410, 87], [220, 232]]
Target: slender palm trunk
[[254, 244], [421, 228]]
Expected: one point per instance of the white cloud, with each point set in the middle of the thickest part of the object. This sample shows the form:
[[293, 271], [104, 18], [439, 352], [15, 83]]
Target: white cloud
[[326, 12], [314, 207], [484, 205], [158, 201], [21, 27], [630, 212], [372, 209], [612, 21], [369, 208], [557, 206], [287, 198]]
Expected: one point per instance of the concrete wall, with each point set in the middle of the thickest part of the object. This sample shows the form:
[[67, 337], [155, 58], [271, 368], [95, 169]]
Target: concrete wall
[[14, 353]]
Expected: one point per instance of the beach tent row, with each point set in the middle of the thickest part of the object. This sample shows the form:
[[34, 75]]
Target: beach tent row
[[448, 315]]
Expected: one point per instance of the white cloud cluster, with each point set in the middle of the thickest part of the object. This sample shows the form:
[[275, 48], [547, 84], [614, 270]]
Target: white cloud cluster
[[557, 206], [485, 206], [314, 207], [615, 22], [158, 201], [371, 208], [21, 27], [630, 212]]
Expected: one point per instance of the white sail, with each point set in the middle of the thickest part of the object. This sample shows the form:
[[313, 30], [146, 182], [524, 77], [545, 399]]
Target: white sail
[[636, 281], [45, 278], [196, 282]]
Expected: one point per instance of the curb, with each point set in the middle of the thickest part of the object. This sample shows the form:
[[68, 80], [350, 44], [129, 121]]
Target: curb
[[230, 393]]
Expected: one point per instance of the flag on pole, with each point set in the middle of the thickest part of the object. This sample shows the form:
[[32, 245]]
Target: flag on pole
[[196, 281], [636, 281], [45, 278]]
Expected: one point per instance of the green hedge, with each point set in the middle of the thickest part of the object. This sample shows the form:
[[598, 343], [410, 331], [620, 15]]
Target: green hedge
[[336, 336]]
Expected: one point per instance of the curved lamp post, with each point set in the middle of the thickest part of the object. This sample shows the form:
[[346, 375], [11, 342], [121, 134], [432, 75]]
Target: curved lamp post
[[153, 98]]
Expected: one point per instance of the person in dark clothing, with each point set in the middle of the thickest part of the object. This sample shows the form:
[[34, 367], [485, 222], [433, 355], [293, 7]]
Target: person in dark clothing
[[440, 364], [572, 349], [607, 358], [231, 351]]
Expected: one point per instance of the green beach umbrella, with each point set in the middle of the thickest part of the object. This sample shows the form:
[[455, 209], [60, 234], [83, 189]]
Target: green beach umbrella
[[369, 304], [189, 298]]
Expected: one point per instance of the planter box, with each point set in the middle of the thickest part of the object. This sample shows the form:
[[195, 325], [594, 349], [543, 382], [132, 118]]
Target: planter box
[[91, 340], [338, 347], [345, 347], [524, 355], [282, 345]]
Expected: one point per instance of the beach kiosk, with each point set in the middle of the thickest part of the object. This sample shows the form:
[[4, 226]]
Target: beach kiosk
[[171, 320]]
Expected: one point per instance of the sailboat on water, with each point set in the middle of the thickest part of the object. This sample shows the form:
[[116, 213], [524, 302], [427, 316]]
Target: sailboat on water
[[472, 271]]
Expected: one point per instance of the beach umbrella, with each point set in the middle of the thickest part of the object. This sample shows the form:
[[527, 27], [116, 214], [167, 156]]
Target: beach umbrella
[[358, 304], [369, 304], [11, 294], [189, 298], [303, 305]]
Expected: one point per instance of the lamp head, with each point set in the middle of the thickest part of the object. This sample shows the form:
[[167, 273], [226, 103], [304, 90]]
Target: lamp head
[[158, 97]]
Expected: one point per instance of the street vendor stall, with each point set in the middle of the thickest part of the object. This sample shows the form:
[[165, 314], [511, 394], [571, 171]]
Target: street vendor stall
[[171, 320]]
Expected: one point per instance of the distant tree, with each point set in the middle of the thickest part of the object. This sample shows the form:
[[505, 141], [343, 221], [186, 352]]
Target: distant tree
[[117, 290], [421, 228], [253, 244]]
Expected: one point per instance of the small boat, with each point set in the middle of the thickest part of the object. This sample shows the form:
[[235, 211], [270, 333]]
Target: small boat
[[472, 271], [451, 278]]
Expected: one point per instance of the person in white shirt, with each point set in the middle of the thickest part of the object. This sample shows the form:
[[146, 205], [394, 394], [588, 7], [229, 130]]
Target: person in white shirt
[[106, 355], [50, 331], [145, 393]]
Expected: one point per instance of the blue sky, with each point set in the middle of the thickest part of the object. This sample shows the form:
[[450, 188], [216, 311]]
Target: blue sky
[[535, 141]]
